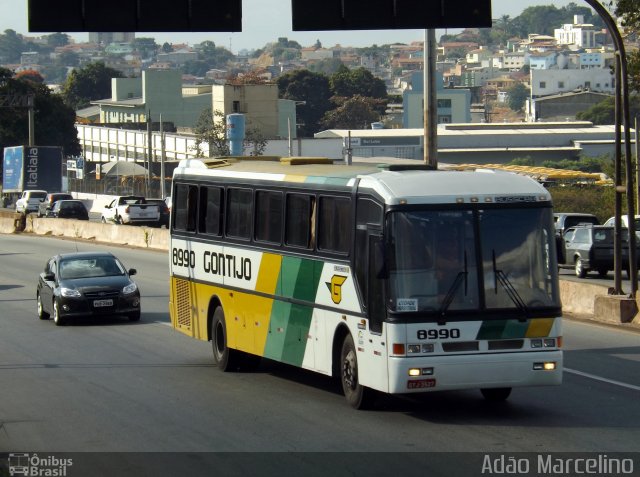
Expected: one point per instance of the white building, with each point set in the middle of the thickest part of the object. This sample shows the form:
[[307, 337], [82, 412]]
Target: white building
[[577, 35], [546, 82]]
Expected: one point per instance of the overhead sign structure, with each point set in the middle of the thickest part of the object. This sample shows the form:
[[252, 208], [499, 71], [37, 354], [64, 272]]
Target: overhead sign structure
[[390, 14], [226, 15], [135, 15]]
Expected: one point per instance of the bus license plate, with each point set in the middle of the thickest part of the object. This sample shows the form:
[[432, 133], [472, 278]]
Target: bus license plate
[[102, 303], [421, 383]]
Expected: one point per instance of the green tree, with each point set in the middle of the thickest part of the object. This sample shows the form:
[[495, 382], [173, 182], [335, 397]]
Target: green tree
[[313, 88], [89, 83], [146, 47], [11, 46], [54, 123], [68, 58], [629, 11], [356, 112], [518, 95], [326, 66], [57, 39], [211, 129], [604, 111], [166, 47], [359, 81]]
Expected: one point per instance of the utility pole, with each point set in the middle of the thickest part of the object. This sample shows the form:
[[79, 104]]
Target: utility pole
[[430, 112]]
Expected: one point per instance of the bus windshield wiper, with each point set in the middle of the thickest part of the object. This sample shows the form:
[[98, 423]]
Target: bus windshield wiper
[[448, 299], [512, 293]]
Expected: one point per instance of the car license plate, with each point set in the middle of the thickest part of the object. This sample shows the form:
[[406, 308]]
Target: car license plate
[[421, 383], [102, 303]]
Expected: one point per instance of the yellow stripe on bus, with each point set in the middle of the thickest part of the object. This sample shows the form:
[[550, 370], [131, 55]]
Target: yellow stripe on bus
[[540, 327]]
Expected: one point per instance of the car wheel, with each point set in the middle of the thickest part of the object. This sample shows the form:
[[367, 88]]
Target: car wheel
[[57, 319], [496, 394], [358, 396], [226, 358], [43, 315], [581, 272], [135, 316]]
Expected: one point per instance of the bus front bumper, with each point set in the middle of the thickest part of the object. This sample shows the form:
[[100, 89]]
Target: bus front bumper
[[474, 371]]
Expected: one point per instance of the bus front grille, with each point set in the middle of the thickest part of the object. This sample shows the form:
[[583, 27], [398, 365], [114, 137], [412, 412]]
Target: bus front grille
[[183, 304]]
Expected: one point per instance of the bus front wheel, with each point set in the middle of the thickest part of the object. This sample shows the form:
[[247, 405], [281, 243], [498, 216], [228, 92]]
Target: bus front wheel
[[225, 358], [358, 396]]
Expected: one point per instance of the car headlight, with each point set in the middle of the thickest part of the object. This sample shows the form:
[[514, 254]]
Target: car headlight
[[129, 289], [70, 293]]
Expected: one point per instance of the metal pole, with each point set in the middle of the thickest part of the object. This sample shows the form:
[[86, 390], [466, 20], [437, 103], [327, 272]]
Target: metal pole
[[32, 122], [635, 135], [617, 238], [290, 140], [162, 159], [622, 89], [430, 112], [149, 149]]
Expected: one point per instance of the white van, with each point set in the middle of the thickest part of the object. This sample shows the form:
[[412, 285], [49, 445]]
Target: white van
[[30, 200], [625, 222]]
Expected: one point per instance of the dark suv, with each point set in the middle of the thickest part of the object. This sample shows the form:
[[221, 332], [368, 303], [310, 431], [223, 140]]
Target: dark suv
[[69, 209], [590, 248], [566, 220], [48, 202]]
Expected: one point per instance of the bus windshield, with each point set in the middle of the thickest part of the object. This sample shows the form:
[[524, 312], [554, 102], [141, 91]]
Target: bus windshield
[[445, 261]]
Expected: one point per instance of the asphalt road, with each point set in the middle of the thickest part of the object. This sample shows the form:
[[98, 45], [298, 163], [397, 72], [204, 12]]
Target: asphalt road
[[114, 386]]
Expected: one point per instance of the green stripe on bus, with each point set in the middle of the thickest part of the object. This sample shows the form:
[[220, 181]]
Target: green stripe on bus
[[290, 323], [491, 329], [502, 329]]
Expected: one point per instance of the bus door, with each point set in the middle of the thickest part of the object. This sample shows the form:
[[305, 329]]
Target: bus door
[[369, 268]]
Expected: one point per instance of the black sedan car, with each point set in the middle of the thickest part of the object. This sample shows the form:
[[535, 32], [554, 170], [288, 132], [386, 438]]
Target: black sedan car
[[68, 209], [86, 284]]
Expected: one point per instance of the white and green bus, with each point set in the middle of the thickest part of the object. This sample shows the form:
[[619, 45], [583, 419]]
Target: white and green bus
[[396, 278]]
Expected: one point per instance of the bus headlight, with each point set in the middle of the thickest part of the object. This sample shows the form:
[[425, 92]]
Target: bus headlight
[[544, 366]]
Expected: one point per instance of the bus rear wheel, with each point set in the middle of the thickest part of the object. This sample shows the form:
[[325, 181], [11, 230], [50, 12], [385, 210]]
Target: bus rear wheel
[[226, 358], [358, 396]]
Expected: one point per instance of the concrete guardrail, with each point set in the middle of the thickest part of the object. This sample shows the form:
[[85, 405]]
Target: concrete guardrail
[[589, 300]]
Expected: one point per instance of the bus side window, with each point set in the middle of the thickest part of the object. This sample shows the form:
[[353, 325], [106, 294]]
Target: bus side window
[[185, 206], [268, 227], [239, 213], [211, 211], [299, 220], [334, 224]]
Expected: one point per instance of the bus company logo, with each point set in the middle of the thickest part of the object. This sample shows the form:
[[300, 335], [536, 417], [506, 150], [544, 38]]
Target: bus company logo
[[33, 465], [335, 287]]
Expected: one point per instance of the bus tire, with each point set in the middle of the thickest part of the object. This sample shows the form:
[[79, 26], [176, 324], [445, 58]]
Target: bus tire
[[225, 358], [358, 396], [496, 394]]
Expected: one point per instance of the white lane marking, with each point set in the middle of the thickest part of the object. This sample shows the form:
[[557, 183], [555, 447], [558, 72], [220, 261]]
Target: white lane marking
[[604, 380]]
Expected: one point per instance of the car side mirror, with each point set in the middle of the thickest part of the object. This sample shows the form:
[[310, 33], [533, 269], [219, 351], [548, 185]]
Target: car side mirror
[[132, 271], [49, 277]]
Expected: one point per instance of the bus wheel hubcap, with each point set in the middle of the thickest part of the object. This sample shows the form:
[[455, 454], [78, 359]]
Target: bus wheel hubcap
[[349, 370]]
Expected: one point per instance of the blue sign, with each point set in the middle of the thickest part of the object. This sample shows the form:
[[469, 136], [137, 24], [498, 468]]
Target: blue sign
[[13, 165]]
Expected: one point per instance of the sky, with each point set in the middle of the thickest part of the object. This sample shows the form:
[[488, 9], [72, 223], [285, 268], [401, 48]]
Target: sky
[[264, 21]]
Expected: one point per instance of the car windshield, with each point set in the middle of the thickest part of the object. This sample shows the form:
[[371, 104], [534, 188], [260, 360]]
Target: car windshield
[[90, 268], [444, 260]]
